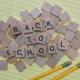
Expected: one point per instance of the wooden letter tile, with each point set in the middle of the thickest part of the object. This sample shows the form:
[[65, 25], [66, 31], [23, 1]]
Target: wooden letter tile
[[20, 52], [11, 20], [38, 26], [73, 26], [75, 44], [41, 61], [25, 15], [35, 13], [77, 36], [73, 54], [61, 28], [27, 28], [56, 10], [30, 52], [46, 7], [52, 48], [20, 65], [62, 44], [64, 17], [3, 65], [41, 49], [49, 23], [41, 38], [16, 30], [69, 35], [8, 52], [29, 39]]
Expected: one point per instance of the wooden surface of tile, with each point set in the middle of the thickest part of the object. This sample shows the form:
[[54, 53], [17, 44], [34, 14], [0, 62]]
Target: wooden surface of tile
[[56, 10], [3, 65], [46, 7], [35, 13], [20, 65], [73, 54], [69, 35], [25, 15], [64, 17]]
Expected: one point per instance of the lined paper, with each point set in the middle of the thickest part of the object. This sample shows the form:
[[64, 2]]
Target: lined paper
[[13, 7]]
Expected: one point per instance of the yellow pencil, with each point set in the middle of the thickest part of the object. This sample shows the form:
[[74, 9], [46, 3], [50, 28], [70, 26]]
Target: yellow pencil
[[67, 72], [51, 70]]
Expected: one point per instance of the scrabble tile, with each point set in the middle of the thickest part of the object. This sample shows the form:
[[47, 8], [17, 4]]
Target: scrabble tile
[[59, 54], [77, 36], [29, 61], [30, 20], [61, 28], [25, 15], [49, 23], [56, 10], [62, 44], [27, 28], [20, 39], [8, 52], [68, 49], [38, 25], [11, 20], [6, 41], [56, 39], [46, 7], [20, 52], [73, 54], [64, 17], [69, 35], [35, 13], [20, 65], [48, 37], [50, 31], [12, 60], [4, 26], [30, 52], [44, 15], [13, 45], [16, 30], [56, 19], [73, 26], [2, 54], [2, 34], [10, 34], [52, 62], [41, 38], [75, 44], [41, 61], [41, 50], [52, 48], [29, 39], [3, 65]]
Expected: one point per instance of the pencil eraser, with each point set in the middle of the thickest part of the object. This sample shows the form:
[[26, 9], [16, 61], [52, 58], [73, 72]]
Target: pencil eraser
[[69, 62]]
